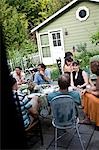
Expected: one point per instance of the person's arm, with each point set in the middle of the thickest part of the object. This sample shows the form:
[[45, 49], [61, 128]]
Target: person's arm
[[32, 107], [67, 68], [85, 77], [91, 83], [95, 90], [71, 79], [36, 77], [45, 75], [22, 78]]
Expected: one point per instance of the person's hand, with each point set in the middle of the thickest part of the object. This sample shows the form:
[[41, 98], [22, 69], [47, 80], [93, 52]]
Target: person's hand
[[78, 86]]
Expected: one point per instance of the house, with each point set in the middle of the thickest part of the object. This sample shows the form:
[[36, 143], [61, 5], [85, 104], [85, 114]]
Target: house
[[63, 31]]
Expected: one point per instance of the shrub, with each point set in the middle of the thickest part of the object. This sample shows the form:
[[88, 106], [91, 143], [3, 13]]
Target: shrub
[[84, 58], [54, 74]]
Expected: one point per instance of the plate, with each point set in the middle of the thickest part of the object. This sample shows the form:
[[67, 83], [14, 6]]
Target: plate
[[34, 94]]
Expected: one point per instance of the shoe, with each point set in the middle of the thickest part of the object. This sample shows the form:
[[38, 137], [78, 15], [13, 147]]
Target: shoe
[[81, 107]]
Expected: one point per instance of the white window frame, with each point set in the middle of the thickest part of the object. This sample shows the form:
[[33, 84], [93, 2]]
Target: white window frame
[[87, 13], [42, 46]]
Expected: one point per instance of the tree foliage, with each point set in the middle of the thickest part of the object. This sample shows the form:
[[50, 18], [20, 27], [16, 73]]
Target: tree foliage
[[95, 38], [15, 31], [19, 17]]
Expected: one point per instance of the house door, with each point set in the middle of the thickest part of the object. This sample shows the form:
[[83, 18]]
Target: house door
[[56, 45]]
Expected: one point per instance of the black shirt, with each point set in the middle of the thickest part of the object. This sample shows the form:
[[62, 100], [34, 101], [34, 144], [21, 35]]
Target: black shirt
[[79, 80]]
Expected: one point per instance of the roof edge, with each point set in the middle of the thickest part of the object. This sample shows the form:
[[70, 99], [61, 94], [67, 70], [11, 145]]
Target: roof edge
[[57, 13]]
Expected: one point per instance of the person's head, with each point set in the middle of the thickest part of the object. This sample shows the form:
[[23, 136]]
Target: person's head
[[95, 67], [13, 83], [41, 67], [68, 54], [76, 65], [68, 61], [18, 70], [64, 81]]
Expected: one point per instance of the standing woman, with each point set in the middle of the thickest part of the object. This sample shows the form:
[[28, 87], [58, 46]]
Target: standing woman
[[80, 77], [67, 68]]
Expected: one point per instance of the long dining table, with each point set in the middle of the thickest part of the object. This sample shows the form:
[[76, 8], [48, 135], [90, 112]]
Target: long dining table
[[43, 91]]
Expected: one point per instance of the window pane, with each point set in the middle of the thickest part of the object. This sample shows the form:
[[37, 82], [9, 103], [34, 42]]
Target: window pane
[[54, 36], [54, 43], [59, 42], [58, 35], [82, 13], [44, 39], [46, 51]]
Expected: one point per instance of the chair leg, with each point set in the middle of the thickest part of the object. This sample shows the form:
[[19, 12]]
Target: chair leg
[[80, 138], [55, 138], [41, 135]]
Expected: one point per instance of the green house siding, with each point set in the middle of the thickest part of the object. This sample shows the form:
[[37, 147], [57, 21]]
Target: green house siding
[[78, 32]]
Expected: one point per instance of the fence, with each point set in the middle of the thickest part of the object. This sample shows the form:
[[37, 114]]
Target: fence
[[25, 62]]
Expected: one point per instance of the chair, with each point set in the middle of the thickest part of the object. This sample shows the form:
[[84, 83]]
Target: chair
[[33, 130], [64, 116], [59, 65]]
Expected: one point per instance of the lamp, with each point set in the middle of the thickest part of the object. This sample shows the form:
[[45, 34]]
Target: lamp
[[66, 32]]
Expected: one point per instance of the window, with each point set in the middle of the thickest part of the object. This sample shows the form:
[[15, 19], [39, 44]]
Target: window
[[82, 13], [46, 51], [56, 39], [45, 45]]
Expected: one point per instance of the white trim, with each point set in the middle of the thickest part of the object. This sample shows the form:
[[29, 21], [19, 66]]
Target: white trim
[[82, 8], [57, 13], [94, 0], [43, 33], [39, 47]]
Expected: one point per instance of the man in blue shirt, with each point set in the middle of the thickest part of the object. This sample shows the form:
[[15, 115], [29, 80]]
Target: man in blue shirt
[[43, 75], [64, 83]]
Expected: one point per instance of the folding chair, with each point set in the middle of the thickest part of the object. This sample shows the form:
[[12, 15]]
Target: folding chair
[[32, 131], [64, 116]]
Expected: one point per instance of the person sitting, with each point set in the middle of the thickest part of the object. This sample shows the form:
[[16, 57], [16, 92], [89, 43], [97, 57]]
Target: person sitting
[[64, 83], [91, 97], [42, 76], [19, 75], [95, 70], [68, 65], [80, 77], [29, 109]]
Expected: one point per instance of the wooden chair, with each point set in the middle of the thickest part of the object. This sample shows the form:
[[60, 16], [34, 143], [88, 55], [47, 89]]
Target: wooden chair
[[33, 131]]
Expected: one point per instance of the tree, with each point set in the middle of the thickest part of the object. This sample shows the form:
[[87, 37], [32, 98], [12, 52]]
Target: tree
[[15, 31]]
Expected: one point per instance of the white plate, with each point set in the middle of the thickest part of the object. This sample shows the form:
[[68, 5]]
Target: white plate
[[34, 94]]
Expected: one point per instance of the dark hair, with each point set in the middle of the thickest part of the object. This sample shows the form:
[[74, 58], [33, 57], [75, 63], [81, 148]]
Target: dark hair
[[69, 59], [18, 68], [76, 63], [67, 54], [42, 65], [95, 67], [12, 80], [64, 81]]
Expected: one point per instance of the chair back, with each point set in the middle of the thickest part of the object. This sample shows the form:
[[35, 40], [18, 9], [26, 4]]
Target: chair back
[[63, 110], [59, 65]]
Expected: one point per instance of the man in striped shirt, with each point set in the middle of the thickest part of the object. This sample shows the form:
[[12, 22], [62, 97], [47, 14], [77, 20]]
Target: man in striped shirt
[[27, 109]]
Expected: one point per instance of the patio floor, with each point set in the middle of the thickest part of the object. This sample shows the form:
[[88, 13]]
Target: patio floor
[[89, 134]]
